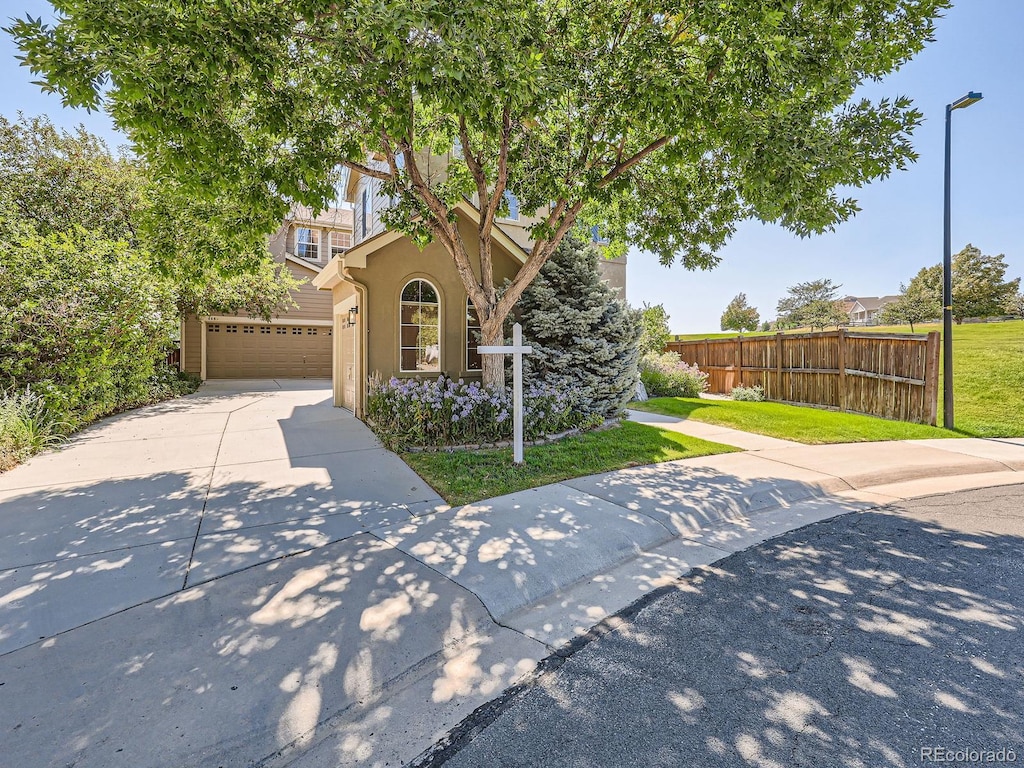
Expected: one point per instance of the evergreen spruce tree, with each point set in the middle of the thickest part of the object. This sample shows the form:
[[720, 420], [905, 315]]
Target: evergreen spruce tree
[[582, 334]]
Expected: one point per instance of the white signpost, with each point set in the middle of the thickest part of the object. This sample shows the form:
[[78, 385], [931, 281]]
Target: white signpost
[[517, 350]]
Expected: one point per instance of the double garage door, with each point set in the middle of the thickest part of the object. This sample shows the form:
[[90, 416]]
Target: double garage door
[[262, 351]]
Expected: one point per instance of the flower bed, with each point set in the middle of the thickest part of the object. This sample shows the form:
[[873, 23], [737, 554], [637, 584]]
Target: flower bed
[[444, 412]]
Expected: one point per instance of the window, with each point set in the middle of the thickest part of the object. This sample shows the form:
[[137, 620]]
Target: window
[[248, 329], [307, 243], [296, 331], [280, 330], [230, 329], [264, 329], [213, 328], [311, 331], [513, 205], [362, 212], [420, 327], [340, 242], [473, 362]]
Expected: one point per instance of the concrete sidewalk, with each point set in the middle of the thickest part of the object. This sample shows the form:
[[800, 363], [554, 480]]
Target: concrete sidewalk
[[260, 583]]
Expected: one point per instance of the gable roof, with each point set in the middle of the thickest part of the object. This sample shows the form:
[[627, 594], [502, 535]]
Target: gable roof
[[355, 257]]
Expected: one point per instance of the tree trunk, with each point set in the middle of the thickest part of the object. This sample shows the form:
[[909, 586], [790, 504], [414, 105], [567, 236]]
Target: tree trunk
[[493, 366]]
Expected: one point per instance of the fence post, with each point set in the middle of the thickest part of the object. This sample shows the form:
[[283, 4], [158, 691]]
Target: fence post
[[931, 379], [842, 369], [778, 366], [707, 356], [739, 362]]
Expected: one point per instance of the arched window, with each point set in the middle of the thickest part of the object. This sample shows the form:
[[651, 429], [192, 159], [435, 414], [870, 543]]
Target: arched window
[[472, 337], [420, 327]]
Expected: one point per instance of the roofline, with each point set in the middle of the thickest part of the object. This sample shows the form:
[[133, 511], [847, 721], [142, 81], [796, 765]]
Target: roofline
[[355, 257], [302, 262]]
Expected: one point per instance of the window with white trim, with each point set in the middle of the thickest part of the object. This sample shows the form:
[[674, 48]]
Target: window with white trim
[[473, 361], [513, 206], [364, 204], [307, 243], [420, 327], [340, 242]]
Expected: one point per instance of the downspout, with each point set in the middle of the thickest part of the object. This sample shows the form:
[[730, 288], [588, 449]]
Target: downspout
[[362, 331]]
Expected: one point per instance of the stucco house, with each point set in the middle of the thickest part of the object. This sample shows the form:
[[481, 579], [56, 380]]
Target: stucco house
[[399, 311], [294, 345]]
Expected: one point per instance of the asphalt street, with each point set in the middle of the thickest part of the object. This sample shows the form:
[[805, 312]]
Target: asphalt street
[[883, 638]]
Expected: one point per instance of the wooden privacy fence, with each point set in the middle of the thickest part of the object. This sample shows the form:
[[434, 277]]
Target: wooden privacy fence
[[894, 376]]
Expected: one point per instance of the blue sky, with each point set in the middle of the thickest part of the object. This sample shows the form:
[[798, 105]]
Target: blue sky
[[899, 229]]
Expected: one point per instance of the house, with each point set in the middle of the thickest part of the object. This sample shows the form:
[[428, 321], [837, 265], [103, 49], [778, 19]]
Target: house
[[294, 345], [403, 312], [864, 310]]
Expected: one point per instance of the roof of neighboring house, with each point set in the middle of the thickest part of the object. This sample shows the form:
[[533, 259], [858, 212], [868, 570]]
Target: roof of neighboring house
[[335, 218], [873, 303]]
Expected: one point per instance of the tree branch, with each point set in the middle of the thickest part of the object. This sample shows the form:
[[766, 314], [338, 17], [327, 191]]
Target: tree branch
[[366, 170], [625, 165]]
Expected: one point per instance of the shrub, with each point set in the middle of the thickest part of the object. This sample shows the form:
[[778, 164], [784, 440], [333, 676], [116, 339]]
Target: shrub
[[83, 322], [667, 376], [753, 394], [444, 412], [26, 427]]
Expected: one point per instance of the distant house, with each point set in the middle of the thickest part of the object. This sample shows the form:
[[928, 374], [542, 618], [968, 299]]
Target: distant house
[[864, 310], [297, 344]]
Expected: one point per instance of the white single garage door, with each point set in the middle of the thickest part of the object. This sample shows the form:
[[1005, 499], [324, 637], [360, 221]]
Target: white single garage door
[[264, 351]]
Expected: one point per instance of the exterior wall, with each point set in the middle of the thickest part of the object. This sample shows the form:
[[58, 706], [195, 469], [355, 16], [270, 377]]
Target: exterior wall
[[613, 272], [331, 220], [313, 304], [191, 345]]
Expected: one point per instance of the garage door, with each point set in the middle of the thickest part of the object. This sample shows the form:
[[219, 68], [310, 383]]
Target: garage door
[[254, 351]]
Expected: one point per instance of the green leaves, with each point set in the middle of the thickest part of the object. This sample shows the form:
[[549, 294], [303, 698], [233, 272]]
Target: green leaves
[[669, 122]]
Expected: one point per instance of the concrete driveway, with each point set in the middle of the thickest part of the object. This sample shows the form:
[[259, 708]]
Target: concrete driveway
[[143, 505]]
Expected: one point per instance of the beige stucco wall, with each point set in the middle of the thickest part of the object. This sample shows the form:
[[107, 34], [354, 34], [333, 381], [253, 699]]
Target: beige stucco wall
[[613, 271]]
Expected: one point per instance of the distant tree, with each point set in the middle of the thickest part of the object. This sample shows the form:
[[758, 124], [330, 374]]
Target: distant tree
[[822, 313], [917, 302], [766, 325], [655, 333], [807, 302], [739, 315], [980, 287], [1015, 305]]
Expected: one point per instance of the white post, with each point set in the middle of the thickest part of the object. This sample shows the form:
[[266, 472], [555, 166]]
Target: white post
[[517, 394], [517, 350]]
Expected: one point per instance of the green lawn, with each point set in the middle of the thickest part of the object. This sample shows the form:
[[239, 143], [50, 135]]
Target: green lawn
[[790, 422], [462, 477], [988, 376]]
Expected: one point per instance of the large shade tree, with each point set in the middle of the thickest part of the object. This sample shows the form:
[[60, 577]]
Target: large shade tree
[[664, 123]]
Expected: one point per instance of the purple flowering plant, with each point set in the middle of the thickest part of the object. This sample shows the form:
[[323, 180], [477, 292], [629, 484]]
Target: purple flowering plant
[[448, 412]]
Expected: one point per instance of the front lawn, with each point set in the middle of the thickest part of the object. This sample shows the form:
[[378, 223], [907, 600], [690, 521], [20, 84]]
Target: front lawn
[[462, 477], [988, 375], [790, 422]]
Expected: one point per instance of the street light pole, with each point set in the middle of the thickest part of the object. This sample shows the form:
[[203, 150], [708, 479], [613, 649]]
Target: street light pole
[[947, 272]]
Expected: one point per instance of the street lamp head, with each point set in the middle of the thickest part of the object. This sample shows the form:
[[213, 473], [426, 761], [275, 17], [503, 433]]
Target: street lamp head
[[966, 101]]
